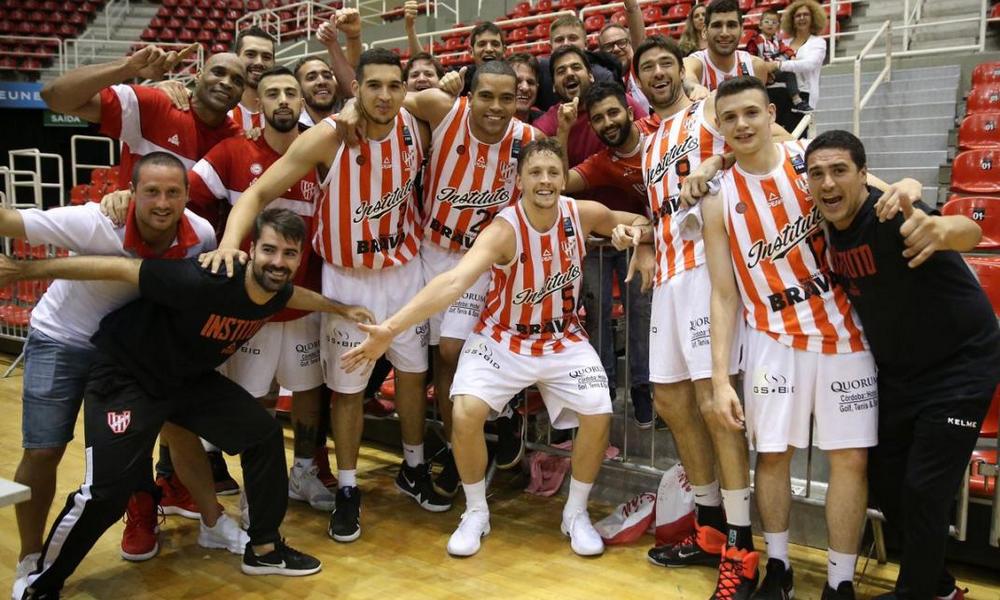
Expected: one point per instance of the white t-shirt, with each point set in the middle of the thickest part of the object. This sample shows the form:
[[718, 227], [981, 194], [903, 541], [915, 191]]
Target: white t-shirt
[[806, 65], [71, 311]]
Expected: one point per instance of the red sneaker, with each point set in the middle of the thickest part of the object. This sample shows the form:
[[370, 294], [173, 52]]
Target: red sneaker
[[324, 474], [379, 407], [175, 498], [140, 538], [737, 574]]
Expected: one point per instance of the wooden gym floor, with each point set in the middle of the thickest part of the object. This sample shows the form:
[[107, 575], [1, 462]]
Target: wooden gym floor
[[401, 553]]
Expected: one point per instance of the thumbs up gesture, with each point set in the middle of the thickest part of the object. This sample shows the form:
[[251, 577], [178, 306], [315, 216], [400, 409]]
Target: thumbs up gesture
[[923, 234]]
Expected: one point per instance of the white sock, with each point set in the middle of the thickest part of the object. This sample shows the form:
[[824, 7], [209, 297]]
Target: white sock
[[414, 454], [475, 495], [303, 464], [208, 446], [578, 494], [839, 567], [777, 546], [707, 495], [737, 505], [347, 478]]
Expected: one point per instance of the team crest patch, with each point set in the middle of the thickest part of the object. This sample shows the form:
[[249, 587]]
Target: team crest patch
[[507, 170], [119, 421], [256, 169], [800, 182], [568, 247]]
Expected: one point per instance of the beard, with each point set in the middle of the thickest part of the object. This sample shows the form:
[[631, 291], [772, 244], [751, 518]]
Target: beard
[[619, 139], [282, 124], [260, 276], [323, 106]]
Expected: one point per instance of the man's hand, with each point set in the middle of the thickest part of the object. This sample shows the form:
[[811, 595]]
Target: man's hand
[[177, 92], [887, 206], [644, 262], [567, 114], [213, 260], [350, 123], [348, 20], [152, 62], [357, 314], [923, 234], [10, 270], [115, 206], [327, 32], [378, 341], [727, 408], [695, 186], [696, 92], [410, 13], [453, 82], [626, 236]]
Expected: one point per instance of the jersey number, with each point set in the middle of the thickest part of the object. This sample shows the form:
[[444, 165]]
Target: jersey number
[[485, 216]]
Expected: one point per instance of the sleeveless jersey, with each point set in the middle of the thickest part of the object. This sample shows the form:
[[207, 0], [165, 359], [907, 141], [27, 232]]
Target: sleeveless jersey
[[367, 215], [712, 76], [468, 181], [531, 306], [781, 259], [246, 118], [676, 148]]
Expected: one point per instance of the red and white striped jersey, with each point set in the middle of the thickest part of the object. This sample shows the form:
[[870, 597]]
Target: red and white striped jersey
[[712, 76], [781, 259], [246, 118], [531, 305], [232, 166], [145, 121], [368, 210], [676, 148], [468, 181]]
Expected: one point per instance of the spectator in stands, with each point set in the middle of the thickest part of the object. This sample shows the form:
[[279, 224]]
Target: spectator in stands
[[802, 22], [528, 75], [410, 11], [343, 62], [255, 47], [617, 166], [768, 46], [486, 43], [319, 90], [620, 42], [693, 39], [935, 341], [422, 72], [568, 30]]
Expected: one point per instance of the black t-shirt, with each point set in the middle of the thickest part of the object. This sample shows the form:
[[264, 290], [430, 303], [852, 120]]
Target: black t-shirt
[[931, 329], [187, 322]]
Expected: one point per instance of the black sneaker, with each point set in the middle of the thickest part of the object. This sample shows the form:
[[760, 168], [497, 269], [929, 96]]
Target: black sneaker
[[345, 520], [737, 574], [416, 483], [703, 547], [642, 403], [660, 424], [31, 594], [225, 485], [844, 591], [447, 480], [777, 582], [510, 442], [802, 107], [283, 560]]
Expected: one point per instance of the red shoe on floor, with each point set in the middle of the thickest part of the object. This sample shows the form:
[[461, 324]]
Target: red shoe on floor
[[737, 574], [322, 462], [176, 499], [140, 540], [379, 407]]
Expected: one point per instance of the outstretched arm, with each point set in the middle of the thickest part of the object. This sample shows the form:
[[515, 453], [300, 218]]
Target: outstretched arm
[[599, 219], [81, 268], [305, 299]]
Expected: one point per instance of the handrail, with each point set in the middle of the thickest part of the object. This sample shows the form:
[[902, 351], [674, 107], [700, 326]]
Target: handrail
[[886, 74], [465, 28], [73, 48], [116, 10], [34, 153], [75, 166]]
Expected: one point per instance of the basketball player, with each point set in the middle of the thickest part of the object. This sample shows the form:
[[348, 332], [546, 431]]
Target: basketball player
[[319, 90], [367, 235], [706, 69], [766, 251], [528, 333], [255, 47]]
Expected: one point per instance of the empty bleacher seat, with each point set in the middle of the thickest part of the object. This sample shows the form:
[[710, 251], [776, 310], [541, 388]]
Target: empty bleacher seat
[[984, 210], [987, 269], [979, 132], [986, 73], [983, 99], [976, 172]]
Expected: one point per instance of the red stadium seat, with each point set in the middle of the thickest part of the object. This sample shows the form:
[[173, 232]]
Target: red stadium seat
[[984, 210], [174, 23], [518, 35], [677, 13], [594, 23], [619, 18], [192, 24], [219, 48], [986, 73], [149, 34], [168, 35], [78, 195], [652, 14], [210, 26], [204, 37], [980, 485], [979, 132], [976, 172], [983, 99], [987, 269]]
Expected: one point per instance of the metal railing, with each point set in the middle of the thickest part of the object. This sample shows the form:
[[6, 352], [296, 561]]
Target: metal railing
[[75, 165], [36, 157], [884, 75], [115, 12], [376, 8], [302, 23], [53, 43]]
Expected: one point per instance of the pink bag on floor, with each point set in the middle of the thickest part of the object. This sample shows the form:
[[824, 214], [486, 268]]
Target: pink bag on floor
[[675, 518], [628, 521]]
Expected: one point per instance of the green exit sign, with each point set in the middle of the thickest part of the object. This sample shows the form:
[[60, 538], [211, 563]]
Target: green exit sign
[[53, 119]]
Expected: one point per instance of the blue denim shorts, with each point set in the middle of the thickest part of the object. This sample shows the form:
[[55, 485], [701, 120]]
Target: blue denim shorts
[[55, 375]]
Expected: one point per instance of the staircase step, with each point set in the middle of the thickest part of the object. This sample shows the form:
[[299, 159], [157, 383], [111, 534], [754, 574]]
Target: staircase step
[[915, 159], [912, 111], [910, 142], [884, 97], [940, 125], [914, 86], [928, 176], [921, 73]]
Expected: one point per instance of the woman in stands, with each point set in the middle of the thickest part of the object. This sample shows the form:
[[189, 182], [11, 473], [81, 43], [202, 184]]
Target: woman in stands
[[802, 23], [693, 38]]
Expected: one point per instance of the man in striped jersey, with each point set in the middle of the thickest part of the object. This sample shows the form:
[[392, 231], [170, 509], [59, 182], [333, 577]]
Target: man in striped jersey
[[529, 333], [255, 47], [806, 357]]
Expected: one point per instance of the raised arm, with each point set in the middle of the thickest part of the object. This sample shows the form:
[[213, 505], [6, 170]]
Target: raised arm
[[81, 268], [343, 72], [410, 24], [724, 312], [349, 21], [636, 25], [77, 92]]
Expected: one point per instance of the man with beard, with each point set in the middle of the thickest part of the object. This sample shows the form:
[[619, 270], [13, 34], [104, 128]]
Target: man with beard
[[422, 72], [255, 47], [319, 90], [157, 363], [706, 69], [527, 70], [144, 118], [486, 44], [568, 30], [619, 167], [368, 238]]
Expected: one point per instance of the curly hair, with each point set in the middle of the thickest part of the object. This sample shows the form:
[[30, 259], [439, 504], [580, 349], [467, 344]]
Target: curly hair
[[788, 17]]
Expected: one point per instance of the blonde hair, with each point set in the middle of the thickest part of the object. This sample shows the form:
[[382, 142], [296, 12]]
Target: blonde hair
[[788, 17], [689, 41]]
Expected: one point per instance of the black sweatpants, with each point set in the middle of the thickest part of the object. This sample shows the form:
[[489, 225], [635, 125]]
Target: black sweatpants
[[121, 422], [924, 446]]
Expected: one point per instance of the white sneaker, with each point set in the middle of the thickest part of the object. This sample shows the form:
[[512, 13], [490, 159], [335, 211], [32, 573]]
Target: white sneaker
[[226, 534], [27, 565], [475, 525], [583, 538], [304, 485]]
